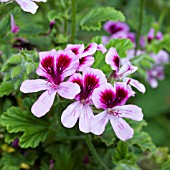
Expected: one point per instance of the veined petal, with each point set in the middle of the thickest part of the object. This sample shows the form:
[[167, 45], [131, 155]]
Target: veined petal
[[66, 63], [77, 49], [92, 79], [123, 92], [103, 96], [86, 115], [122, 129], [68, 90], [71, 114], [47, 64], [44, 103], [135, 84], [28, 6], [98, 123], [127, 69], [90, 49], [101, 48], [85, 62], [30, 86], [113, 59], [129, 111]]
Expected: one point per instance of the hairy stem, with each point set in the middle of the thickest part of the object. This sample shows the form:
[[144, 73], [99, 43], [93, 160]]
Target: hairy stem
[[142, 2], [73, 17], [94, 153]]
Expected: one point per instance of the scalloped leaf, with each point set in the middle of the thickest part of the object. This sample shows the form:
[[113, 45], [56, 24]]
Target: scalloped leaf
[[6, 88], [93, 20], [34, 130]]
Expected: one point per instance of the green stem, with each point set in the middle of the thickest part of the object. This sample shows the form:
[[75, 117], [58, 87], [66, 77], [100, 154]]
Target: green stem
[[94, 153], [142, 2], [73, 17]]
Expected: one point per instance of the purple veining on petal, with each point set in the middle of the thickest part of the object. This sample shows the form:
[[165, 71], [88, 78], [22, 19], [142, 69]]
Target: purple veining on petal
[[116, 60]]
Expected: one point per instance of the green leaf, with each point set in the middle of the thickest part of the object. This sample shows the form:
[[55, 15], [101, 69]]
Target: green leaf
[[122, 154], [143, 140], [124, 166], [4, 25], [29, 68], [121, 45], [166, 165], [6, 88], [34, 130], [93, 20], [16, 71], [108, 137], [55, 14], [97, 39]]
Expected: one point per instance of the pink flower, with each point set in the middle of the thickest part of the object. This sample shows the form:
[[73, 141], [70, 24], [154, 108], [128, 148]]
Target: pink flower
[[14, 27], [27, 5], [151, 35], [112, 100], [54, 66], [90, 80], [113, 59], [85, 54]]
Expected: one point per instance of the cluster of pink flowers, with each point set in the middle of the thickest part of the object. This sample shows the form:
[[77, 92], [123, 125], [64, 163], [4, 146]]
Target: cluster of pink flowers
[[121, 30], [117, 30], [68, 73]]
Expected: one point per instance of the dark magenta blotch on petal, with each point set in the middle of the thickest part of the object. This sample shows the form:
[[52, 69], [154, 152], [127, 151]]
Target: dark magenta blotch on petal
[[116, 61]]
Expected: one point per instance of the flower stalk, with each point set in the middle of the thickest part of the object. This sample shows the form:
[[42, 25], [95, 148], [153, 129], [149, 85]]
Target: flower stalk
[[94, 153], [142, 3], [73, 17]]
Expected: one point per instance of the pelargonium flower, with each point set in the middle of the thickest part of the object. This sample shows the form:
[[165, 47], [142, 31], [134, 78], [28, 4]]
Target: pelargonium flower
[[113, 59], [157, 72], [85, 54], [112, 100], [90, 80], [117, 30], [14, 27], [27, 5], [54, 66]]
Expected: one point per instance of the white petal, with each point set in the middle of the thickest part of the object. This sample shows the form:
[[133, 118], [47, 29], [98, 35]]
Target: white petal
[[98, 123], [122, 129], [71, 114], [129, 111], [127, 69], [85, 62], [101, 48], [91, 49], [44, 103], [113, 59], [29, 86], [28, 6], [135, 84], [68, 90], [86, 116]]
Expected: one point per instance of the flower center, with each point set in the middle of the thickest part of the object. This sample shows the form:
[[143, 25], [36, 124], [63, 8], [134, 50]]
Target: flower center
[[113, 112]]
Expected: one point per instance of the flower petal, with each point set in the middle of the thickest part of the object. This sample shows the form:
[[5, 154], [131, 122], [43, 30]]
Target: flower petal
[[103, 96], [77, 49], [127, 69], [129, 111], [71, 114], [135, 84], [85, 62], [40, 0], [47, 64], [14, 27], [98, 123], [151, 34], [68, 90], [29, 86], [66, 63], [90, 49], [28, 6], [101, 48], [122, 129], [86, 116], [113, 59], [44, 103]]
